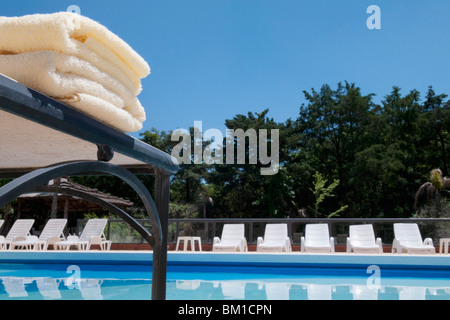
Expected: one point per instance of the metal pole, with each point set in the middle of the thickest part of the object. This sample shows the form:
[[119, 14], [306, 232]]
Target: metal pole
[[159, 277]]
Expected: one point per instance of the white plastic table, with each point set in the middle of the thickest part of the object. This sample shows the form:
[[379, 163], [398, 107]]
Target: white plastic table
[[443, 245], [186, 241]]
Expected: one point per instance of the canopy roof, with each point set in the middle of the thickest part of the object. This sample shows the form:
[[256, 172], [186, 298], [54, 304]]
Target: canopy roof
[[27, 201], [37, 131]]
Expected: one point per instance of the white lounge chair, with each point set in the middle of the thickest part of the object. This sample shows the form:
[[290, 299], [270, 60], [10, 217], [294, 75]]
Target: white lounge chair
[[362, 239], [93, 234], [407, 238], [317, 239], [275, 239], [52, 233], [233, 239], [19, 231]]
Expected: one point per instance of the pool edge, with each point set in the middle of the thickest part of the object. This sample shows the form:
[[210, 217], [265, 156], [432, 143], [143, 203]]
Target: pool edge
[[237, 259]]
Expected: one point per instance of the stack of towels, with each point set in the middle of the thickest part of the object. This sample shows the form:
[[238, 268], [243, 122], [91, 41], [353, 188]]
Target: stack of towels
[[77, 61]]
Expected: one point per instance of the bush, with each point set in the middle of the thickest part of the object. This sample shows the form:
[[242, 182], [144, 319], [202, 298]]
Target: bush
[[435, 230]]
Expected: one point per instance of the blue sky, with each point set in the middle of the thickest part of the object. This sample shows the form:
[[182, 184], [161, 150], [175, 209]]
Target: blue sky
[[213, 59]]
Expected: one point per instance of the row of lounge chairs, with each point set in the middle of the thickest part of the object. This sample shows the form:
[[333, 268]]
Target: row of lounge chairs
[[316, 239], [19, 236], [361, 239]]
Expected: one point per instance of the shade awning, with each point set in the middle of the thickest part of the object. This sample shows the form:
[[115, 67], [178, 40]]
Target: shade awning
[[37, 131], [28, 200]]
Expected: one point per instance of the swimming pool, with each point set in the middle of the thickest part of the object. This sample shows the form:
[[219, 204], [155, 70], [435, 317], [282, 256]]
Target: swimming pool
[[208, 276]]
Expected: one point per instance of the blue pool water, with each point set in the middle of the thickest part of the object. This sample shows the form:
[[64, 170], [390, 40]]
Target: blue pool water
[[111, 282]]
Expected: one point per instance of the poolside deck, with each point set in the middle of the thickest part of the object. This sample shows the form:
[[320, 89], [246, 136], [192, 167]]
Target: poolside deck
[[387, 261]]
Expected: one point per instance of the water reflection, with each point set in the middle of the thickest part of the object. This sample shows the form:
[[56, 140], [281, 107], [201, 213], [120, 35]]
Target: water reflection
[[315, 289], [50, 288], [320, 288]]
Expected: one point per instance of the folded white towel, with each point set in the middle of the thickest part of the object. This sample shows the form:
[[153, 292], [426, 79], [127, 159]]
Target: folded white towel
[[72, 34], [77, 61], [105, 112], [79, 84]]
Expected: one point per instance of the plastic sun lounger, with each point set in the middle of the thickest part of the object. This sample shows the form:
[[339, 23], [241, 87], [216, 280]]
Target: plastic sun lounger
[[317, 239], [19, 231], [52, 233], [93, 233], [362, 239], [408, 239], [275, 239], [233, 239]]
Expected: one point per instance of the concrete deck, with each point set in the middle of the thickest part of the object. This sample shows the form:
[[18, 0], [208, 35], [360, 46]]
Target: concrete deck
[[250, 259]]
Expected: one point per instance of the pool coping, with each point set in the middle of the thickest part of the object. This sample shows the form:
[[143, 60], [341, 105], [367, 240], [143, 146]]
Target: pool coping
[[250, 259]]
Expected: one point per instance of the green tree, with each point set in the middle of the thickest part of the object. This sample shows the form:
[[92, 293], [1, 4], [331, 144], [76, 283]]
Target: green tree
[[435, 137], [244, 191], [401, 115], [430, 191], [186, 184], [321, 192], [332, 128], [379, 153]]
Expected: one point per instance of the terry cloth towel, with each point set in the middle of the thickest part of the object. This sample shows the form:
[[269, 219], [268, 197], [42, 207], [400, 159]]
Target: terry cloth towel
[[73, 34], [77, 83], [78, 61]]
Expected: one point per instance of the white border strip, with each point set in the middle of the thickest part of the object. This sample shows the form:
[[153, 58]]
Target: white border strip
[[252, 258]]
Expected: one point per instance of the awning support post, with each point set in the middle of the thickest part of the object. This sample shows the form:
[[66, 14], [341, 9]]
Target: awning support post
[[161, 196]]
